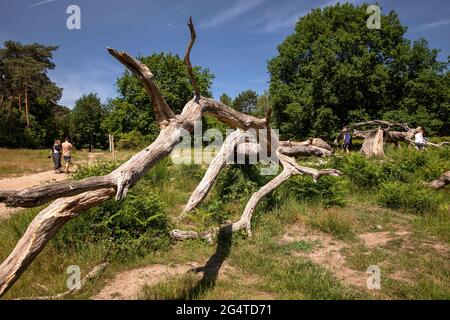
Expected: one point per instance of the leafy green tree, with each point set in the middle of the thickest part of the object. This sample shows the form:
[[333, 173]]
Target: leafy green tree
[[333, 70], [262, 105], [27, 95], [226, 99], [132, 109], [86, 118], [246, 101]]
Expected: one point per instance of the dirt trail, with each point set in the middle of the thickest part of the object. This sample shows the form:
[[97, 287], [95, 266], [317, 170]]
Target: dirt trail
[[31, 180]]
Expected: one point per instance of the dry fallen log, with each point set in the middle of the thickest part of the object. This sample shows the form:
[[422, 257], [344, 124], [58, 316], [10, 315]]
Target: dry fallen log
[[440, 182], [75, 197]]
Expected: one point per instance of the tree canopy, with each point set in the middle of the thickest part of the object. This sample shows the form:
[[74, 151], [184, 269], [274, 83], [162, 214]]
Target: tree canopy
[[28, 98], [86, 118], [333, 70]]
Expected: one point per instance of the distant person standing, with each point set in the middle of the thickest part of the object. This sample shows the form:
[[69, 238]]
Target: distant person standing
[[347, 140], [67, 153], [55, 154], [419, 140]]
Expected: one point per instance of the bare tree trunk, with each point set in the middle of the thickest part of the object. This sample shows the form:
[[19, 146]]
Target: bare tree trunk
[[26, 105], [20, 102], [373, 144]]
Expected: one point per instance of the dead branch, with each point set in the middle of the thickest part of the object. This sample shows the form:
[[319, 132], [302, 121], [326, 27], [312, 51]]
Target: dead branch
[[159, 104], [43, 227], [187, 60], [290, 168], [440, 182]]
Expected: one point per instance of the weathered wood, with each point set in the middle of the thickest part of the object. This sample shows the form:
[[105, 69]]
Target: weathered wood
[[290, 168], [159, 104], [43, 227], [373, 144], [36, 196], [440, 182], [187, 60]]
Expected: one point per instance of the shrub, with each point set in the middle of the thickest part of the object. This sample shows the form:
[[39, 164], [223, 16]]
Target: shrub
[[132, 226], [132, 140], [361, 171], [411, 198], [329, 190], [239, 181]]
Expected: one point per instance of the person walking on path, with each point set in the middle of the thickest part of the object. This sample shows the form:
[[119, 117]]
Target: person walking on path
[[55, 154], [67, 154]]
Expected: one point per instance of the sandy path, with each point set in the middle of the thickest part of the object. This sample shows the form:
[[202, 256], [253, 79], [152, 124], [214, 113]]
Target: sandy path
[[31, 180]]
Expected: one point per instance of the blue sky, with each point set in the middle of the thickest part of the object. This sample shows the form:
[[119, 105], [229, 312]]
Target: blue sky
[[234, 38]]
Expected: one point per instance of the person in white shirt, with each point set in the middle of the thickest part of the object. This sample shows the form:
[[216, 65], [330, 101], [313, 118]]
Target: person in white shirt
[[419, 139]]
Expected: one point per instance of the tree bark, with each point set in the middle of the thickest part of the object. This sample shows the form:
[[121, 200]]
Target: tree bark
[[43, 228], [440, 182], [373, 144]]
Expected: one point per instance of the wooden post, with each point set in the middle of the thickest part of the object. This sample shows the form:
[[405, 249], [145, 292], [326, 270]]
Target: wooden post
[[113, 149]]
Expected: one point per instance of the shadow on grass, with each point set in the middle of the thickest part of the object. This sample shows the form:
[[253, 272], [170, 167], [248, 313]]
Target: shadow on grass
[[212, 267]]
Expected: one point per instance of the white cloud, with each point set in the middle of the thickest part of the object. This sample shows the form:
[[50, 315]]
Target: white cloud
[[98, 78], [37, 4], [435, 24], [239, 8]]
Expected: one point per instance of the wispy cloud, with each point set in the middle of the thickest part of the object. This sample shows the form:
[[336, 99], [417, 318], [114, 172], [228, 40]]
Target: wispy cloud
[[283, 22], [239, 8], [98, 77], [37, 4], [436, 24]]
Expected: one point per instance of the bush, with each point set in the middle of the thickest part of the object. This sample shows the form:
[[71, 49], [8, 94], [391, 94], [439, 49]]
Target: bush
[[329, 190], [239, 181], [131, 140], [411, 198], [361, 171], [133, 226]]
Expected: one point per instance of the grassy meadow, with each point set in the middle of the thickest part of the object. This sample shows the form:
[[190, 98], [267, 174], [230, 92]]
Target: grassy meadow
[[310, 240]]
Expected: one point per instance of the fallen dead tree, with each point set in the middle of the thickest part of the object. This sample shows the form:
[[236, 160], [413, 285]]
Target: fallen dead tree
[[440, 182], [72, 198], [374, 139]]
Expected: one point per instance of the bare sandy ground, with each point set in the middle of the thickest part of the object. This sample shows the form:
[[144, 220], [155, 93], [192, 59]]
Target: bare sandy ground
[[26, 181], [32, 180]]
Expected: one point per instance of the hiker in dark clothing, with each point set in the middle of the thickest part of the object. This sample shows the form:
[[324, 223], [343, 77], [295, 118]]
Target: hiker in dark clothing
[[347, 140], [55, 154]]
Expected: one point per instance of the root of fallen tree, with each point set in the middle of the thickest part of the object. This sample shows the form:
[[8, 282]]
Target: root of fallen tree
[[72, 198]]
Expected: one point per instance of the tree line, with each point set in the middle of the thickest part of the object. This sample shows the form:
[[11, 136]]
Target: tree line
[[330, 72]]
